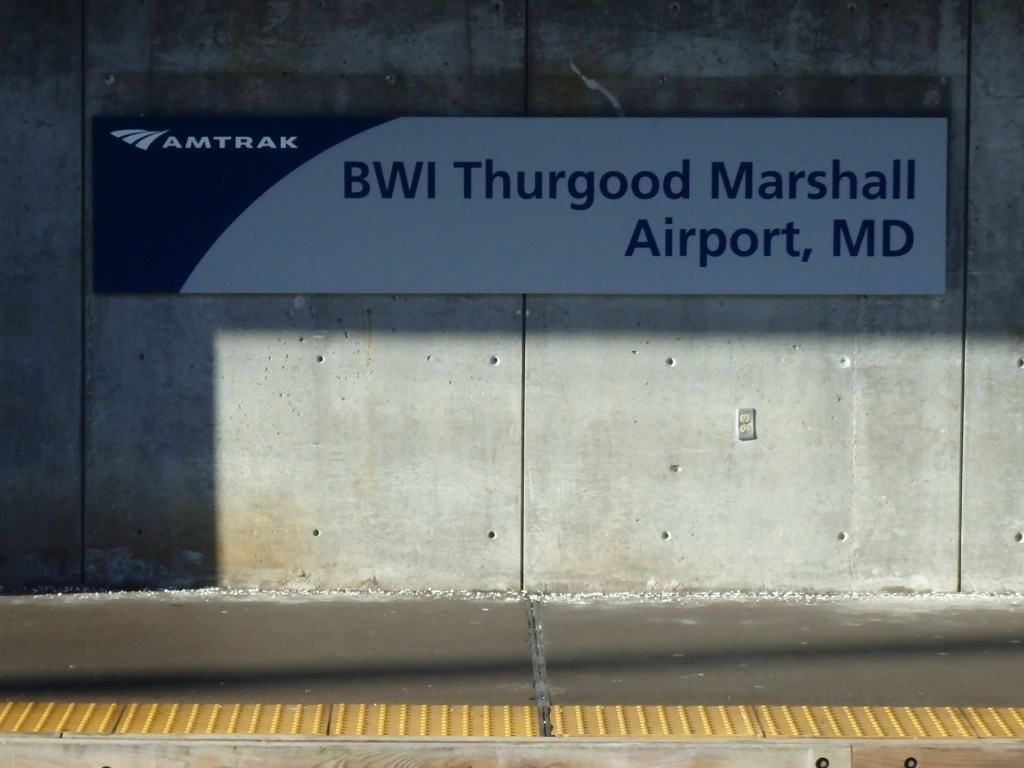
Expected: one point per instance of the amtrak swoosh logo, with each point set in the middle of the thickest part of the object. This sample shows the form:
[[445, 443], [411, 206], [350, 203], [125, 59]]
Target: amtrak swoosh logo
[[138, 137]]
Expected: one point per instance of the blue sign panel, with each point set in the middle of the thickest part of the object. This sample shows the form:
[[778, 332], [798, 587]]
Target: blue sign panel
[[519, 205]]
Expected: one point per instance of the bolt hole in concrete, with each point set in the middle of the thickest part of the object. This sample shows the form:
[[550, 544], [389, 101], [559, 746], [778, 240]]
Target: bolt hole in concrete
[[319, 358], [495, 360], [1018, 538], [1020, 362], [492, 535], [316, 531], [845, 362], [671, 362], [843, 536], [665, 535]]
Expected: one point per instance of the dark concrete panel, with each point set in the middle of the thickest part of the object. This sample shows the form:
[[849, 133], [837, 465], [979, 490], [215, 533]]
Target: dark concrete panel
[[451, 57], [739, 56], [40, 279], [993, 529]]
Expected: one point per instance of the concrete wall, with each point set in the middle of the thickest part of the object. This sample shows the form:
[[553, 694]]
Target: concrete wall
[[565, 442], [304, 441], [993, 512], [853, 480], [40, 292]]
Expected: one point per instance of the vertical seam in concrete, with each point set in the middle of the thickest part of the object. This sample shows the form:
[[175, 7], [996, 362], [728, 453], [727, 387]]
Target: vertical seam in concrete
[[83, 287], [526, 58], [522, 445], [522, 355], [963, 319], [541, 692]]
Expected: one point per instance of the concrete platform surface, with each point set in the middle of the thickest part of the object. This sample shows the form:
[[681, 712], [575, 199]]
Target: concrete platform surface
[[214, 646], [224, 647], [907, 651]]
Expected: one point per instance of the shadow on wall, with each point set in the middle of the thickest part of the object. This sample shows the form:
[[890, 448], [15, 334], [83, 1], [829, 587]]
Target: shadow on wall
[[150, 456]]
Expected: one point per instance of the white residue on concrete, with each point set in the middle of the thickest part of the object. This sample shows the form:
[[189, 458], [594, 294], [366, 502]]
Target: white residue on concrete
[[596, 86]]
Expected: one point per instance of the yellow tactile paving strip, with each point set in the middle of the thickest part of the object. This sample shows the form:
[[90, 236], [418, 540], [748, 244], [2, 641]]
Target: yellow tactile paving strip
[[622, 722], [51, 717], [788, 722], [997, 722], [345, 720], [865, 722], [433, 720], [235, 719], [656, 721]]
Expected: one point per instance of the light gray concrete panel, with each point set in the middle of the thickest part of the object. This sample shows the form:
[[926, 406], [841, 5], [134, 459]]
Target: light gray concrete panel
[[305, 442], [220, 449], [636, 478], [993, 486], [634, 474], [40, 278], [376, 444]]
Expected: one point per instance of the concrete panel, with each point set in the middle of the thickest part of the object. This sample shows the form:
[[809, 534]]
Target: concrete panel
[[306, 442], [221, 449], [636, 478], [40, 278], [334, 56], [993, 514], [150, 516], [746, 56], [634, 474], [375, 443]]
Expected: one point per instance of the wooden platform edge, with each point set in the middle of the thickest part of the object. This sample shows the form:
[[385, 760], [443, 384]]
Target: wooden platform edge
[[297, 752]]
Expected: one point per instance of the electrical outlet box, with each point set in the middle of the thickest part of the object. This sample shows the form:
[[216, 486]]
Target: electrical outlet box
[[746, 424]]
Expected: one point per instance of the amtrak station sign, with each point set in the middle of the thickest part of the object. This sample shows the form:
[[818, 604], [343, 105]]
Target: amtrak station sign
[[770, 206]]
